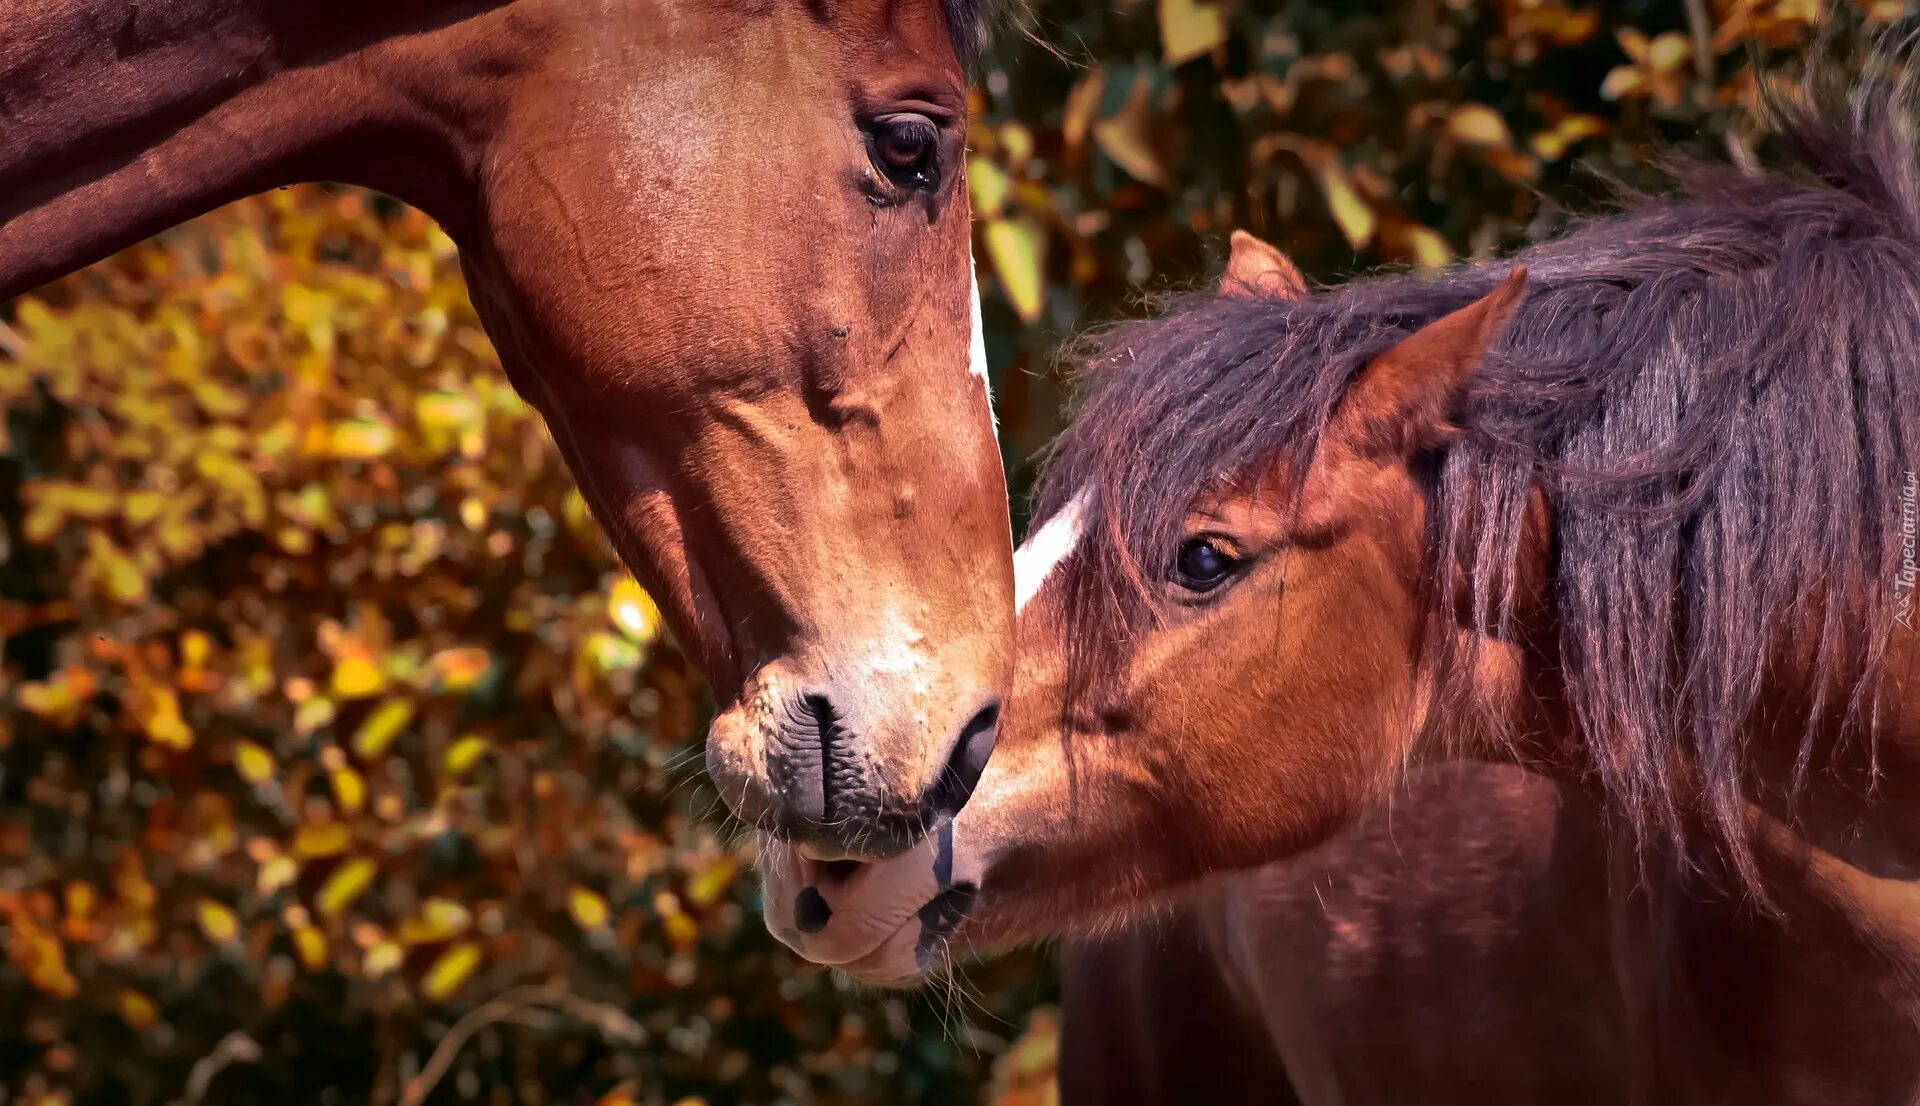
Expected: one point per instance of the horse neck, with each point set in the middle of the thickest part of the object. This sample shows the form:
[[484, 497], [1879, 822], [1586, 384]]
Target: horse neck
[[124, 119]]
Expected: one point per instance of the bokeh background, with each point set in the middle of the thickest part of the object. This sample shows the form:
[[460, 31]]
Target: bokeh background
[[339, 763]]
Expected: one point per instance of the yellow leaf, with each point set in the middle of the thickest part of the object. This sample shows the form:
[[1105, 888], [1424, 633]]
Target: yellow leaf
[[463, 754], [681, 930], [1017, 247], [473, 512], [706, 888], [1479, 125], [1081, 106], [360, 439], [1553, 143], [1622, 82], [137, 1010], [1428, 249], [160, 717], [447, 410], [382, 958], [116, 571], [346, 884], [196, 648], [633, 611], [1350, 212], [1016, 141], [1348, 209], [1127, 137], [349, 790], [1669, 51], [438, 920], [589, 909], [356, 676], [131, 884], [453, 968], [321, 839], [253, 762], [313, 714], [383, 724], [611, 653], [987, 183], [219, 923], [276, 873], [1190, 28], [311, 946]]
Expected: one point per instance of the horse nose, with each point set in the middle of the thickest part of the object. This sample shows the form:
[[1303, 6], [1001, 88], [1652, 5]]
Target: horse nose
[[830, 800]]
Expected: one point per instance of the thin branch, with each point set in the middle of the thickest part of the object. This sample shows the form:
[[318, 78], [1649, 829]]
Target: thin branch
[[1701, 24], [234, 1048], [513, 1006]]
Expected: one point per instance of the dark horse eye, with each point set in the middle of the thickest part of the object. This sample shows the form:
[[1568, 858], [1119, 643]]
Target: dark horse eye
[[1202, 565], [906, 147]]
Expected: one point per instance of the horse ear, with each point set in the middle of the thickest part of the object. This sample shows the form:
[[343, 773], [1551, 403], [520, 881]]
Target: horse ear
[[1403, 401], [1255, 269]]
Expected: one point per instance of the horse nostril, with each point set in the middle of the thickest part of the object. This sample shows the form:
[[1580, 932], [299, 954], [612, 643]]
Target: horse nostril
[[964, 765]]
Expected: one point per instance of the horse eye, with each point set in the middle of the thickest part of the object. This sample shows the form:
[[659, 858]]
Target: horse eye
[[906, 148], [1202, 565]]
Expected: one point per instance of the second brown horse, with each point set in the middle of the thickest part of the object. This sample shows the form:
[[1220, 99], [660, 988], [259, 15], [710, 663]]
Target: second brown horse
[[1632, 513]]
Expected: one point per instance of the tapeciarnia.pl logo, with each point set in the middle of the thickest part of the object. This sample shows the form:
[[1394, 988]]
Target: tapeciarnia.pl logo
[[1906, 578]]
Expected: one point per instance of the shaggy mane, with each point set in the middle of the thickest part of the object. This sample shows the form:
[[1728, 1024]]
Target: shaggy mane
[[1718, 390]]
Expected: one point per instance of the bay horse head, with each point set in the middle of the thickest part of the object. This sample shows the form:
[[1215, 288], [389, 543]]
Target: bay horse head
[[724, 248], [1624, 509]]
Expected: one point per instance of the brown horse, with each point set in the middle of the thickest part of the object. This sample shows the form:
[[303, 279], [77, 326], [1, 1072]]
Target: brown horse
[[1636, 511], [1451, 948], [723, 248]]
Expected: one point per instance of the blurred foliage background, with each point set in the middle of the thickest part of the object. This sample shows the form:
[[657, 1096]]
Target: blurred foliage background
[[339, 762]]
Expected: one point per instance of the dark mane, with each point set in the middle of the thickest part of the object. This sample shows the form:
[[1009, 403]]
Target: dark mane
[[1718, 390], [971, 24]]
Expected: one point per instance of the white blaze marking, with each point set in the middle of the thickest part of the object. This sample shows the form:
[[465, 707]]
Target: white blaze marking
[[1044, 549], [978, 350]]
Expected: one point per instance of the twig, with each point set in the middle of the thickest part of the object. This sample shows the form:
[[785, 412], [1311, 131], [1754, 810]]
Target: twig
[[1701, 24], [511, 1006], [234, 1048]]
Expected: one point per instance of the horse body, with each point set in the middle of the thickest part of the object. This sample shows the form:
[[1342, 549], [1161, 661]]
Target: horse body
[[685, 225], [1450, 948], [1626, 512], [1480, 938]]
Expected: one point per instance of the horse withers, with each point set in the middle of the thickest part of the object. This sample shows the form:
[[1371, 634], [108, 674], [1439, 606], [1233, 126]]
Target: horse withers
[[1624, 509], [722, 247]]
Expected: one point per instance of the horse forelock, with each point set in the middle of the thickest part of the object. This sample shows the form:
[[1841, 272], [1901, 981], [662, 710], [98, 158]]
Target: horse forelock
[[1716, 391], [971, 23]]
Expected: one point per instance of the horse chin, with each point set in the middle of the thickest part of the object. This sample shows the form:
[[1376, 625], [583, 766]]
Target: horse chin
[[889, 923], [899, 964]]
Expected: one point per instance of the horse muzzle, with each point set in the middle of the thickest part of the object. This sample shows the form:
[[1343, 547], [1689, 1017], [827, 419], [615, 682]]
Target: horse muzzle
[[892, 923], [828, 770]]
